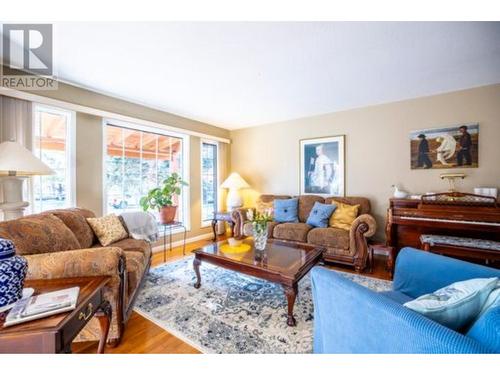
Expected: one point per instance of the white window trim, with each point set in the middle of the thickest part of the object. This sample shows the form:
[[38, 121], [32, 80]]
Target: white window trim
[[70, 155], [186, 201], [208, 223]]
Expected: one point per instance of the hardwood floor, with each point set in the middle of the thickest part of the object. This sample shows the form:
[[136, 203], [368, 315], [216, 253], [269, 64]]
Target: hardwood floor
[[143, 336]]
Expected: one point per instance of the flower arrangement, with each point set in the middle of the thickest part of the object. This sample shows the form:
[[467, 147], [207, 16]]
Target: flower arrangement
[[259, 222]]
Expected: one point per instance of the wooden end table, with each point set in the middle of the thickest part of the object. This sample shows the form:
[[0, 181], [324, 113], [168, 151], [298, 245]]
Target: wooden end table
[[55, 333], [222, 216], [388, 251], [281, 262]]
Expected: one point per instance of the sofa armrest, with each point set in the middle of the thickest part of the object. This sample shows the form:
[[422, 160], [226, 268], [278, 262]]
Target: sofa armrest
[[239, 217], [349, 318], [363, 227], [104, 261], [419, 272]]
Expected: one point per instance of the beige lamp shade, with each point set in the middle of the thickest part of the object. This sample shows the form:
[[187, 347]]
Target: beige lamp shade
[[234, 181], [15, 160]]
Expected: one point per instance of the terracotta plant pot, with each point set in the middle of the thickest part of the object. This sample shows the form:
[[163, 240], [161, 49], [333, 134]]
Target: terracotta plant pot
[[167, 214]]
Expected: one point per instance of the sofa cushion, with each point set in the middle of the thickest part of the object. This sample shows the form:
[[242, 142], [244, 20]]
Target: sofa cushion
[[320, 214], [108, 229], [36, 234], [75, 220], [285, 210], [306, 203], [364, 203], [130, 244], [457, 304], [329, 237], [344, 215], [291, 231]]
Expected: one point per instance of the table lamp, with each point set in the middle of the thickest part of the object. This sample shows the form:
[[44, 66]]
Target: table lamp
[[234, 183], [16, 164]]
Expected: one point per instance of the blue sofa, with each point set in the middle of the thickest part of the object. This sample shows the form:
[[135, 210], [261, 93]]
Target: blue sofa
[[349, 318]]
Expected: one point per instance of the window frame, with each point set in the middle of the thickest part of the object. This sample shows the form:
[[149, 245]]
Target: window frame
[[70, 144], [185, 195], [208, 223]]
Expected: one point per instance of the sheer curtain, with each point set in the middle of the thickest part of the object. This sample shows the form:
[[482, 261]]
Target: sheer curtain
[[16, 117]]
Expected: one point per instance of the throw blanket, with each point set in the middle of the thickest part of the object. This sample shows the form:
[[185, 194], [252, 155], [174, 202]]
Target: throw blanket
[[141, 225]]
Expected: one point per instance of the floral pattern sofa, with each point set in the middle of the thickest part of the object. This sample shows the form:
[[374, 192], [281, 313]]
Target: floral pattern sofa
[[60, 243], [341, 246]]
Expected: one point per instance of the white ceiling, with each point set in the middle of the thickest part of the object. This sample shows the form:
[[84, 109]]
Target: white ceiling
[[237, 75]]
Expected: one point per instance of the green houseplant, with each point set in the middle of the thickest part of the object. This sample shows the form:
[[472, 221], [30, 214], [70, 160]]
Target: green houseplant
[[162, 198]]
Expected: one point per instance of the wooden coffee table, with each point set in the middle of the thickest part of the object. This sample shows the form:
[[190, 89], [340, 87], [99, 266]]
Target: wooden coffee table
[[281, 262]]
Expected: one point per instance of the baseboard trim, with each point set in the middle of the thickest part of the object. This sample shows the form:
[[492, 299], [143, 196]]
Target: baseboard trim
[[201, 237]]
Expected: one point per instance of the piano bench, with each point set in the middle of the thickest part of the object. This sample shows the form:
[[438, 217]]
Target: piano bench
[[462, 247]]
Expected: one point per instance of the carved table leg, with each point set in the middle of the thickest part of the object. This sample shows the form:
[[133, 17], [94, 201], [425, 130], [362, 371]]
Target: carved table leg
[[370, 259], [196, 266], [104, 318], [214, 223], [291, 293], [390, 261]]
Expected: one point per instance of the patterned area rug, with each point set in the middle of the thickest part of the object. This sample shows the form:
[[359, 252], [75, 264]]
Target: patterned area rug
[[231, 312]]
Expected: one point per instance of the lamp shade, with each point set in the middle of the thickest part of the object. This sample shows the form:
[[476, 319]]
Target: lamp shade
[[234, 182], [15, 160]]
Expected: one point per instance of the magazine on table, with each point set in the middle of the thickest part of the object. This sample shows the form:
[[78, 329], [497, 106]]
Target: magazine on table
[[42, 305]]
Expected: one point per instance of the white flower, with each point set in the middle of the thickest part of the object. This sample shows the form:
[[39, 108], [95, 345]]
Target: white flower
[[250, 214]]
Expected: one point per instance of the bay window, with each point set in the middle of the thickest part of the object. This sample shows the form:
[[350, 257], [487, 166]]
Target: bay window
[[137, 159]]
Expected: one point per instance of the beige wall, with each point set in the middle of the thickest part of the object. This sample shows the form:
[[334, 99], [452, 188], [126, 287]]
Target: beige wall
[[377, 147], [89, 150]]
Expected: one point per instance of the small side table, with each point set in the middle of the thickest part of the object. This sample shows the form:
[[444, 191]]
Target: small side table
[[55, 333], [388, 251], [222, 216], [168, 227]]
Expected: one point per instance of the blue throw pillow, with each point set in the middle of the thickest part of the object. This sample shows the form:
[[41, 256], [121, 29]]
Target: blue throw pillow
[[456, 305], [320, 214], [286, 210]]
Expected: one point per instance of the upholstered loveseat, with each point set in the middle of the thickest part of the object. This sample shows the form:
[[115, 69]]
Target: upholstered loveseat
[[60, 243], [342, 246]]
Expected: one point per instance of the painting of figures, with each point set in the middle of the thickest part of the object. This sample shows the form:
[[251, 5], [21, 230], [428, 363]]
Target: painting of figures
[[443, 148], [322, 166]]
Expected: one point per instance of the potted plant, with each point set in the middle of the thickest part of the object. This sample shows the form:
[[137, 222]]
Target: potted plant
[[162, 198]]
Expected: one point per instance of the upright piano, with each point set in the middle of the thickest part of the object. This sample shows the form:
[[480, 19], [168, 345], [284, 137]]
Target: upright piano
[[451, 214]]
